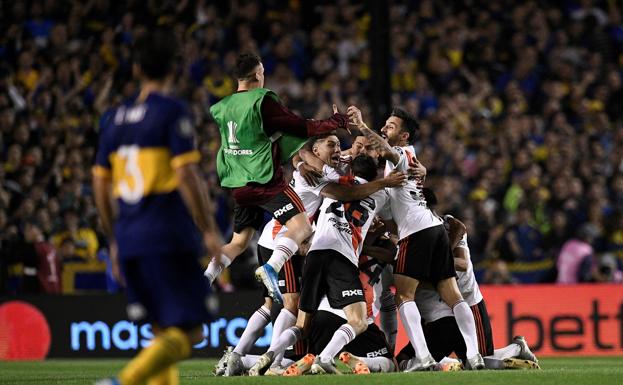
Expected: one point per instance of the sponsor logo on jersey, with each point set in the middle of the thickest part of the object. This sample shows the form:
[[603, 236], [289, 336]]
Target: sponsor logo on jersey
[[230, 151], [350, 293]]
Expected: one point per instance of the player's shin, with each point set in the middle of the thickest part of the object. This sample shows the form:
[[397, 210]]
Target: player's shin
[[256, 325], [284, 320], [465, 320], [284, 250], [412, 321], [388, 317], [216, 267], [169, 347], [342, 337]]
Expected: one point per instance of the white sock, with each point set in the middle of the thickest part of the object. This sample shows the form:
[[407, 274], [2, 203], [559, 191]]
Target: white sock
[[389, 321], [284, 320], [215, 267], [412, 321], [251, 333], [284, 249], [379, 364], [465, 319], [287, 338], [509, 351], [249, 360], [342, 336]]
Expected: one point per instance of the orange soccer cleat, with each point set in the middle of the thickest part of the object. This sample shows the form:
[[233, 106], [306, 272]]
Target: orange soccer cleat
[[355, 364], [300, 367]]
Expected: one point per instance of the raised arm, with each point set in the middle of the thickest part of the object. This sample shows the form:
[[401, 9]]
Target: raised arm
[[381, 145], [357, 192]]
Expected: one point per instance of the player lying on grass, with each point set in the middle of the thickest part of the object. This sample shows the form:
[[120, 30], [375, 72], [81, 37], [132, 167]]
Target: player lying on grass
[[441, 331]]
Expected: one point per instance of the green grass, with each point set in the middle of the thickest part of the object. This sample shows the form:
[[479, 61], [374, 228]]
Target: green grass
[[563, 371]]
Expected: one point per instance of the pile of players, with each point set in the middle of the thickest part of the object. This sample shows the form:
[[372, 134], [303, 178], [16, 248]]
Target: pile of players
[[375, 230]]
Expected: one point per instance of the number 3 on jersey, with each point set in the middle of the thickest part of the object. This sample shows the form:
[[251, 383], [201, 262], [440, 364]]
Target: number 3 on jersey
[[132, 187]]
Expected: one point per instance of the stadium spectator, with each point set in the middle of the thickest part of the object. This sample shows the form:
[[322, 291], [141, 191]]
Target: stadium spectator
[[519, 101]]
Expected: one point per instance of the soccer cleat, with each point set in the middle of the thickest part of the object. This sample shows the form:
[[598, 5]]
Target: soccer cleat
[[416, 365], [355, 364], [262, 364], [219, 368], [516, 363], [268, 277], [300, 367], [525, 353], [449, 367], [476, 362], [324, 367], [108, 381], [234, 365]]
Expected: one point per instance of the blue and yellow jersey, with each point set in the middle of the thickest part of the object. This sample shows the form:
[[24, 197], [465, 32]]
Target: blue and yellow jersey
[[141, 145]]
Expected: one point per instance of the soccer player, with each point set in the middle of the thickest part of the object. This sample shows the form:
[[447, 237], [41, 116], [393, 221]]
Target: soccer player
[[442, 334], [424, 250], [257, 133], [331, 269], [326, 151], [147, 162]]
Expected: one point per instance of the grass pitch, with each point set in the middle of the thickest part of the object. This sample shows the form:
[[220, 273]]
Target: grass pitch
[[563, 371]]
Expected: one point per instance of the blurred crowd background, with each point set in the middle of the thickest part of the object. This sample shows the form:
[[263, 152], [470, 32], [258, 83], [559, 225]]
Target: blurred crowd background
[[520, 105]]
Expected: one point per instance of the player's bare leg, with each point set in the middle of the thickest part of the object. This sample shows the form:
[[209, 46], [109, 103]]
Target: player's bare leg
[[412, 321], [229, 252], [450, 294], [298, 231]]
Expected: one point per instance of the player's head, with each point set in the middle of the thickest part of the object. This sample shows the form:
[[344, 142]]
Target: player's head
[[400, 128], [364, 166], [250, 70], [154, 55], [359, 145], [326, 147]]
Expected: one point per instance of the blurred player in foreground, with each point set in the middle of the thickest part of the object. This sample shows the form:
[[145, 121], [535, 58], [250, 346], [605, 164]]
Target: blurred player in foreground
[[147, 164]]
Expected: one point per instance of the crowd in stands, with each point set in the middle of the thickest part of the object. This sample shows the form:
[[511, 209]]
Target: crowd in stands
[[519, 104]]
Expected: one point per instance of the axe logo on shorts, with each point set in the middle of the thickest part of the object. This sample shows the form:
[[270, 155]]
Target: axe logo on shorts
[[350, 293], [283, 210], [377, 353]]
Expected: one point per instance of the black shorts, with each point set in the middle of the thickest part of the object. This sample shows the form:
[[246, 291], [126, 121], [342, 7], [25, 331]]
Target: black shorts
[[282, 207], [370, 343], [289, 276], [443, 336], [328, 272], [426, 256]]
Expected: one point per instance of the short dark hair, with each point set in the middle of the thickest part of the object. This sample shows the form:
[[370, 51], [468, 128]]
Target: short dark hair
[[155, 53], [364, 167], [409, 122], [309, 145], [246, 64]]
